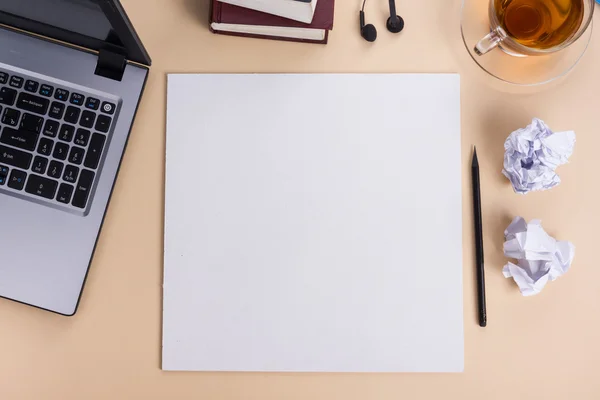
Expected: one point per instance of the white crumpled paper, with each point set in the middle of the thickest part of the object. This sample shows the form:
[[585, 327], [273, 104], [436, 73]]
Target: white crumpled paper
[[533, 153], [540, 257]]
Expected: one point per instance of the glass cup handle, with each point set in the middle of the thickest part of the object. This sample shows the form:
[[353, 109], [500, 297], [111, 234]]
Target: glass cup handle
[[488, 42]]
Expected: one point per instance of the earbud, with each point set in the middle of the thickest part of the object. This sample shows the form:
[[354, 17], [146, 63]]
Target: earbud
[[395, 23], [395, 26], [368, 32]]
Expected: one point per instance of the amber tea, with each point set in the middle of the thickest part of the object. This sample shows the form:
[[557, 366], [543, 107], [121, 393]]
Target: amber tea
[[540, 24]]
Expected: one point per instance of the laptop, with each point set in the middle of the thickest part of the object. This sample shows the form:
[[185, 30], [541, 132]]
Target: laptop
[[71, 76]]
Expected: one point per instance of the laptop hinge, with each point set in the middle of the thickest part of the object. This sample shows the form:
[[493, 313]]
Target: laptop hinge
[[111, 65]]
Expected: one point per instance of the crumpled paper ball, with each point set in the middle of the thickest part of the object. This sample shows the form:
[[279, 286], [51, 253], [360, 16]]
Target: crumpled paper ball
[[532, 155], [541, 258]]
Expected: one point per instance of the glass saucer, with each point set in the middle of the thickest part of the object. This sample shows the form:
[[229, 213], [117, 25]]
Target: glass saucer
[[516, 69]]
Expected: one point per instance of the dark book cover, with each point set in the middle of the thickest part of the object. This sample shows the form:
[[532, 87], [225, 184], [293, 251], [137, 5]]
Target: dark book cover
[[229, 14]]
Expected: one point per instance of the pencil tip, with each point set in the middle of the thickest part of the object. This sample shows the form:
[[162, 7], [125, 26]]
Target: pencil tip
[[475, 161]]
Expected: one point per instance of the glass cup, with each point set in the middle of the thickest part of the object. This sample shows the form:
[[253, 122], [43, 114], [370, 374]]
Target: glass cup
[[498, 37]]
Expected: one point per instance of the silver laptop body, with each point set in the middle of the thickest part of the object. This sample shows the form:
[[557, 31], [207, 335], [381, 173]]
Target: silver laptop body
[[65, 117]]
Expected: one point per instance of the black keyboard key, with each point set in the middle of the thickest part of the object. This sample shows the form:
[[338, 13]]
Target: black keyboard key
[[51, 128], [55, 169], [64, 193], [16, 81], [70, 174], [33, 103], [57, 110], [108, 108], [25, 140], [92, 103], [61, 94], [32, 123], [76, 155], [45, 146], [3, 174], [103, 123], [82, 137], [87, 119], [95, 151], [83, 188], [3, 77], [11, 117], [40, 186], [60, 151], [72, 114], [31, 86], [17, 179], [77, 99], [66, 132], [39, 165], [7, 95], [14, 157], [46, 90]]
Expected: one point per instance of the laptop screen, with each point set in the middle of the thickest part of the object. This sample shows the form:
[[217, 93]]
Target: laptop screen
[[84, 17], [92, 24]]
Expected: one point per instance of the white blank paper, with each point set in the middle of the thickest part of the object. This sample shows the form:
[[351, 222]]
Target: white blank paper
[[313, 223]]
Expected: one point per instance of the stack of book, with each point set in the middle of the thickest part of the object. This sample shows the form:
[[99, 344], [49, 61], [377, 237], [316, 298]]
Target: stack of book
[[292, 20]]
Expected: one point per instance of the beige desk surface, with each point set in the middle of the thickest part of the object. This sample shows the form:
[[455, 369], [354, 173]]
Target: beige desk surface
[[544, 347]]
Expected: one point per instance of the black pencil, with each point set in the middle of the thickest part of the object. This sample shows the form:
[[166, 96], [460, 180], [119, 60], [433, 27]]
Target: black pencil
[[478, 240]]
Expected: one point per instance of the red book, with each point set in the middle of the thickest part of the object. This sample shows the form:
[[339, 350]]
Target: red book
[[228, 19]]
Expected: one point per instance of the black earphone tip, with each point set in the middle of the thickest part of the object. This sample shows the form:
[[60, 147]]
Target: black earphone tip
[[395, 26], [369, 33]]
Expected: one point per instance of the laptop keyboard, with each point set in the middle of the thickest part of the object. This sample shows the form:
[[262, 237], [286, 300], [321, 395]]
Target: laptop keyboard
[[52, 139]]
